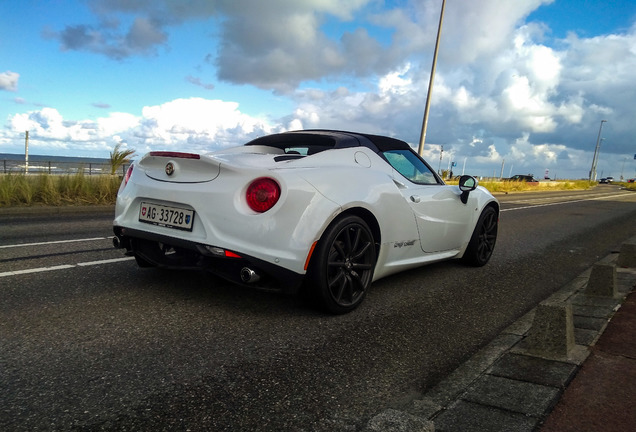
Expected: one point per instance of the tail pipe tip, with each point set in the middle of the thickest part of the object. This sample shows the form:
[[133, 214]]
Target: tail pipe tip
[[117, 242], [248, 275]]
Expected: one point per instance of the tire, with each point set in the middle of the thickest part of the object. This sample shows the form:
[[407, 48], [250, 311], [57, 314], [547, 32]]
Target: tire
[[341, 269], [482, 242]]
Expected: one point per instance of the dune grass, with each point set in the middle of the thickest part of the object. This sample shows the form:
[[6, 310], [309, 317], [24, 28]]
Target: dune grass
[[46, 189]]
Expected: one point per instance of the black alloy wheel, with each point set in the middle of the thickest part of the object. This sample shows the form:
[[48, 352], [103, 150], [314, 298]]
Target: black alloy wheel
[[482, 242], [342, 269]]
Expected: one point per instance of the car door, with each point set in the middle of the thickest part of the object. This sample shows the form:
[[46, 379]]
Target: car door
[[442, 219]]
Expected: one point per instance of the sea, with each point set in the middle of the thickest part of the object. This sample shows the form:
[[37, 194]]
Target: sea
[[15, 164]]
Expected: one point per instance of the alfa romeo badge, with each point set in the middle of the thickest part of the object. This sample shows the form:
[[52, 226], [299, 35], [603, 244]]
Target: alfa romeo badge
[[169, 168]]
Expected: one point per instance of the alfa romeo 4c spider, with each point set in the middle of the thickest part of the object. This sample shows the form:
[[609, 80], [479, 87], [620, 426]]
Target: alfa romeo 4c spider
[[321, 213]]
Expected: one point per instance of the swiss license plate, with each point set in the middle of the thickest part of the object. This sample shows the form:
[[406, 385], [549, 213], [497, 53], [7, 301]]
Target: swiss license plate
[[170, 217]]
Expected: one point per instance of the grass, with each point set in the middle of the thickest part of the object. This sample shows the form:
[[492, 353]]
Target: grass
[[57, 190], [520, 186]]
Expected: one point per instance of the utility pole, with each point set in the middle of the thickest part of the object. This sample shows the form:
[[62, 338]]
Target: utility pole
[[622, 168], [26, 153], [420, 149], [595, 158]]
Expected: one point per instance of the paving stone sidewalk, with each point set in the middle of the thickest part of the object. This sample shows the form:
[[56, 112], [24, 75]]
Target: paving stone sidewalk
[[518, 384]]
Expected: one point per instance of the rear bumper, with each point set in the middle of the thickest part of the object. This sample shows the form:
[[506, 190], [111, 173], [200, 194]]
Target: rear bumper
[[174, 253]]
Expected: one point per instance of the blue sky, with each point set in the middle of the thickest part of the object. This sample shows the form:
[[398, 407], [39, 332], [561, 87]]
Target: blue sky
[[587, 18], [523, 83]]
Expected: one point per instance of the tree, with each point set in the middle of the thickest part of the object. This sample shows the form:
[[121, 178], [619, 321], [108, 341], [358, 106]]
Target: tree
[[119, 157]]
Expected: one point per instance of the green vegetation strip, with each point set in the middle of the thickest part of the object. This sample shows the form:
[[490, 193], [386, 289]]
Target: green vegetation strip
[[46, 189], [520, 186]]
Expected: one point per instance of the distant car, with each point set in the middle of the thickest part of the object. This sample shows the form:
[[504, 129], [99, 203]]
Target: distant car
[[603, 181], [630, 180], [524, 178], [326, 212], [610, 179]]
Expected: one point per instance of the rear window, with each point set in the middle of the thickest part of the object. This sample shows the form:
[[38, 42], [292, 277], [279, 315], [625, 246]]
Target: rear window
[[305, 150]]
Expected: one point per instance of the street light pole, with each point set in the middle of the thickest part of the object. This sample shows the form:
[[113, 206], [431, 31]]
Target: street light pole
[[26, 152], [595, 158], [420, 149]]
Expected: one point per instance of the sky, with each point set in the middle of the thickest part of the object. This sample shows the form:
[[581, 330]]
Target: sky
[[521, 86]]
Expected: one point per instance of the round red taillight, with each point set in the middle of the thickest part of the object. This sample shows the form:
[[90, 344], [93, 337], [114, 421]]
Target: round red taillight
[[262, 194]]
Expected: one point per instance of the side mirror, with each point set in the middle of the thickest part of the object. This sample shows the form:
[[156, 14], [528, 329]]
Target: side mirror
[[466, 185]]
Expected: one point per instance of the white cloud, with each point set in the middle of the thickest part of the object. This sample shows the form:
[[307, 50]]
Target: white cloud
[[397, 82], [49, 125], [478, 29], [9, 81], [196, 124], [116, 123], [203, 124]]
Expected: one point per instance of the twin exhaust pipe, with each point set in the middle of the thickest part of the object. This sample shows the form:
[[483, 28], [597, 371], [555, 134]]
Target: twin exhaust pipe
[[247, 274]]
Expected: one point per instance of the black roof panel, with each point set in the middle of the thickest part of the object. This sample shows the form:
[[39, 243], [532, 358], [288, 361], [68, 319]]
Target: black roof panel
[[330, 139]]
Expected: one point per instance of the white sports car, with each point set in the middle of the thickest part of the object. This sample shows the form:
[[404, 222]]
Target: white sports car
[[319, 212]]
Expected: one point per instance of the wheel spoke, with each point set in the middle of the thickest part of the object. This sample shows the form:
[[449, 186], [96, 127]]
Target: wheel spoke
[[358, 235], [347, 291], [339, 274], [362, 251], [362, 266], [340, 250], [347, 241], [342, 288], [338, 283], [336, 264], [356, 277]]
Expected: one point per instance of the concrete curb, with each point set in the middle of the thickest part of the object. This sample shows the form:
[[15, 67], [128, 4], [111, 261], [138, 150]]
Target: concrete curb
[[514, 382]]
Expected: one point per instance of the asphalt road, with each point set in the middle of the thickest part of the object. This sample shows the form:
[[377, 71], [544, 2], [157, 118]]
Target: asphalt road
[[90, 342]]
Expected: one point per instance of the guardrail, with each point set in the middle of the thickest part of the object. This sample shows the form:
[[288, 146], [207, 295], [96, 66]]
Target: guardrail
[[9, 166]]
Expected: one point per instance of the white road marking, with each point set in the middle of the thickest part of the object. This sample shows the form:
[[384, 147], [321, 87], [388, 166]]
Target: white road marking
[[546, 198], [36, 270], [64, 267], [54, 242], [108, 261], [563, 202]]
